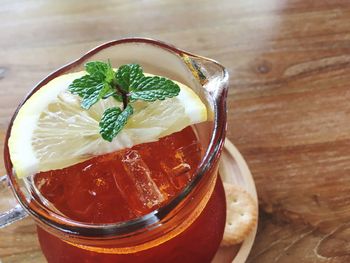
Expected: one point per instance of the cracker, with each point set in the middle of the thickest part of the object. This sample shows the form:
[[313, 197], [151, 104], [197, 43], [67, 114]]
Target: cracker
[[241, 214]]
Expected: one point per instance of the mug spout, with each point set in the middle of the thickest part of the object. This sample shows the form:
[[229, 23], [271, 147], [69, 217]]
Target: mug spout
[[211, 74]]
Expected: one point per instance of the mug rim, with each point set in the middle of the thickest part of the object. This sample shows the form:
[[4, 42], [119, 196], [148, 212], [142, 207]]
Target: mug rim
[[73, 227]]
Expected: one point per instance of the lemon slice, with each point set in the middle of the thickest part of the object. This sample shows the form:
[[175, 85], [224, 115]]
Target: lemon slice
[[52, 131]]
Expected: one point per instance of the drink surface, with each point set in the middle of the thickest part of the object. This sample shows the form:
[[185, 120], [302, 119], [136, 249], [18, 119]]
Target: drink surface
[[125, 184]]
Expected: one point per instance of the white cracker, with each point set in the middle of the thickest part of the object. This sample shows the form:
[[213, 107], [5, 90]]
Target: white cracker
[[241, 214]]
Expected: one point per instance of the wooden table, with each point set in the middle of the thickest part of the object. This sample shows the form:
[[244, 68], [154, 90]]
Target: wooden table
[[289, 113]]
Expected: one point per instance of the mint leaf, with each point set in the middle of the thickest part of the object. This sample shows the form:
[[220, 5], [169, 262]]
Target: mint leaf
[[113, 120], [154, 88], [95, 85], [82, 85], [100, 71], [94, 94], [128, 75]]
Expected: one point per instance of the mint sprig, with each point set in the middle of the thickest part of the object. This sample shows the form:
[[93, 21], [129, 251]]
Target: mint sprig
[[127, 85]]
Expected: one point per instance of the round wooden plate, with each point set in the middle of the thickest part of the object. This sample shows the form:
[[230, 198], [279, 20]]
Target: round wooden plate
[[233, 169]]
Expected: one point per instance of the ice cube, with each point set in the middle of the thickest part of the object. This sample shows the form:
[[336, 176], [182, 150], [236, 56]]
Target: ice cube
[[188, 151], [179, 169], [136, 184]]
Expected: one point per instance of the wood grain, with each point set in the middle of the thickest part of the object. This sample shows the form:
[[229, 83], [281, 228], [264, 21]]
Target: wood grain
[[289, 114]]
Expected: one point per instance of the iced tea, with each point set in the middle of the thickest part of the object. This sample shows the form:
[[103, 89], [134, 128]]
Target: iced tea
[[127, 184]]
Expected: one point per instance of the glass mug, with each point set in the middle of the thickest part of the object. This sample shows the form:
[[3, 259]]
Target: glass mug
[[187, 229]]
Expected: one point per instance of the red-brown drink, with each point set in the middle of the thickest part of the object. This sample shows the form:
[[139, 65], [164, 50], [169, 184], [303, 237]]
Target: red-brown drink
[[127, 184]]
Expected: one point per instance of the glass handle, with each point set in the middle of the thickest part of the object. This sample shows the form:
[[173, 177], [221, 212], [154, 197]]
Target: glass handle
[[14, 214]]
